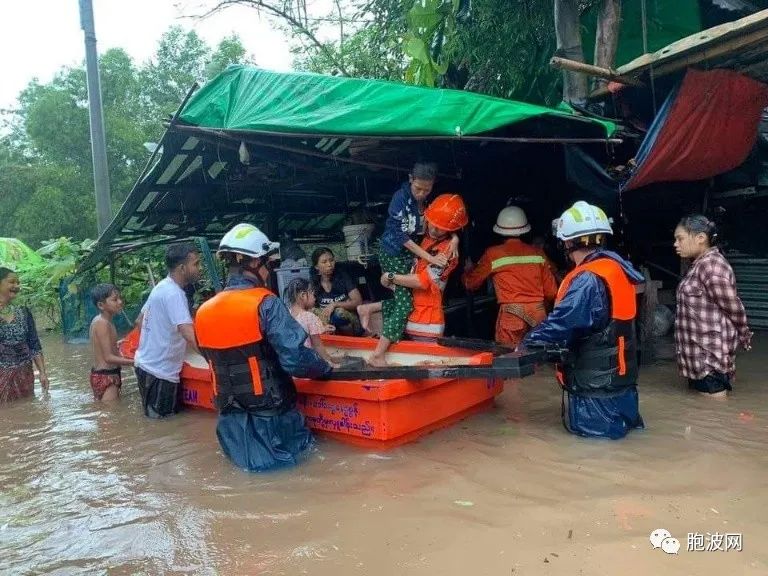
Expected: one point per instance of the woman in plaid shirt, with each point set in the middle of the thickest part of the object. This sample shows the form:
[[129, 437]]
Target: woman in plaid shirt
[[710, 321]]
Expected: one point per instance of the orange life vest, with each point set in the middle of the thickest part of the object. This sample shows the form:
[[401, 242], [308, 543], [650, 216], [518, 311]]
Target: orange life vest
[[246, 373], [605, 362], [427, 319]]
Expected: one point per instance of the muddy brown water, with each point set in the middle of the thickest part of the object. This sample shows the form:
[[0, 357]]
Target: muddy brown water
[[89, 489]]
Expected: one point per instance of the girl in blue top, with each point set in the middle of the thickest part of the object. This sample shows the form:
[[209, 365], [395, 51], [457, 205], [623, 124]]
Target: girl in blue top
[[398, 248]]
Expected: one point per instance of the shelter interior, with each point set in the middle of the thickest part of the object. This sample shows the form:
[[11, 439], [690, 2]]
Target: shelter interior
[[308, 187]]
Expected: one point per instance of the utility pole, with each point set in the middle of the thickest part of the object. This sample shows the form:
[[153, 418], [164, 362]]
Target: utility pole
[[98, 140]]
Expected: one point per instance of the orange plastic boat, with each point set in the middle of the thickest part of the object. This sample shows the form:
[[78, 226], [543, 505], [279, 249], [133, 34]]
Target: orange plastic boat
[[377, 414]]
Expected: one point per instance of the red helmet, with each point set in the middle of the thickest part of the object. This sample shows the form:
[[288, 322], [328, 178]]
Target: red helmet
[[447, 212]]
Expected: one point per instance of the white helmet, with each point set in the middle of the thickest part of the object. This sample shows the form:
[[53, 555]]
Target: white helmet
[[512, 221], [582, 219], [248, 240]]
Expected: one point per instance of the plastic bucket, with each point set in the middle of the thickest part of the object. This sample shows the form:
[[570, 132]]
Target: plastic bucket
[[356, 238]]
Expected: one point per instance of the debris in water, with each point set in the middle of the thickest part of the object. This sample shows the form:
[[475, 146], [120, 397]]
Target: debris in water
[[556, 555], [715, 511], [746, 416], [570, 534], [463, 503], [379, 457], [687, 431], [546, 560]]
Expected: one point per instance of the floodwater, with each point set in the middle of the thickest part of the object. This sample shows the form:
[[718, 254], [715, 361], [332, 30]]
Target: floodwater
[[88, 489]]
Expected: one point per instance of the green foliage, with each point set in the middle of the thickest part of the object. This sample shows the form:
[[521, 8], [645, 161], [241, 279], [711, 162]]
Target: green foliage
[[229, 51], [46, 172], [180, 61], [40, 282], [504, 50], [365, 54], [496, 47], [430, 23]]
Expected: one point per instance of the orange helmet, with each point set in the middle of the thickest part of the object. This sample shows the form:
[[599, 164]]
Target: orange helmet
[[447, 212]]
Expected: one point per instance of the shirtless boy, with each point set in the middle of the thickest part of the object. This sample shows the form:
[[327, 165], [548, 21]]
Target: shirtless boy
[[105, 374]]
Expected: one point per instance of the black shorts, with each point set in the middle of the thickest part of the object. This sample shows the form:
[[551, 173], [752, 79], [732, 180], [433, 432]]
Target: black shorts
[[160, 398], [712, 383]]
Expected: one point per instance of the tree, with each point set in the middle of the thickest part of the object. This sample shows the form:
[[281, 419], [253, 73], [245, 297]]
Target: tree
[[568, 32], [180, 61], [229, 51], [294, 16], [497, 47], [365, 55], [45, 160]]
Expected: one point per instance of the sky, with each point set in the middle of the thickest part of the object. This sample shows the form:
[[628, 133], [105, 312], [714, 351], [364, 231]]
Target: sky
[[39, 37]]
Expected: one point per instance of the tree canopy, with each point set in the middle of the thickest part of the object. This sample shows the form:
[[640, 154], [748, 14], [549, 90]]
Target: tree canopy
[[46, 172]]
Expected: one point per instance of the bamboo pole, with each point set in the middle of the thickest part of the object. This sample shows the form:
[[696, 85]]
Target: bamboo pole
[[590, 70]]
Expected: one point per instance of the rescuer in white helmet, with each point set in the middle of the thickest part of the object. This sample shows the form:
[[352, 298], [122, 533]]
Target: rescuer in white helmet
[[594, 318], [522, 278], [254, 347]]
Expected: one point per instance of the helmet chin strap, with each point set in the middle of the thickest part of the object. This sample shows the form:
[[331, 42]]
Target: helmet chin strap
[[256, 267]]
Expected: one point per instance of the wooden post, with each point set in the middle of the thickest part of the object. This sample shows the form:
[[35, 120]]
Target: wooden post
[[607, 37], [568, 33]]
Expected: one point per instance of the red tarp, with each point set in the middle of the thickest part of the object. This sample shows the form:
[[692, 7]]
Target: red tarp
[[710, 128]]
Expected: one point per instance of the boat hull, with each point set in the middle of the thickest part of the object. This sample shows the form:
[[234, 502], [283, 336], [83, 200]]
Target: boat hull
[[374, 414]]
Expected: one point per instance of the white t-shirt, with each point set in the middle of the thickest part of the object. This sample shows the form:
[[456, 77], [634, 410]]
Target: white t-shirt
[[161, 345]]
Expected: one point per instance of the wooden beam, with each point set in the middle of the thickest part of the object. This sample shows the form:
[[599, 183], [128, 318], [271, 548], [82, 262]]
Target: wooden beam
[[590, 70], [704, 46]]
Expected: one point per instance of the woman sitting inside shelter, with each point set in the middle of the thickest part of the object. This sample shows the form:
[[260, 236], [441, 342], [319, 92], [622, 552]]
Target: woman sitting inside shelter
[[336, 294]]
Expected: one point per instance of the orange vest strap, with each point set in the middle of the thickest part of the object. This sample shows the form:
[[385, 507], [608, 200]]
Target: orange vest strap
[[230, 319], [620, 290]]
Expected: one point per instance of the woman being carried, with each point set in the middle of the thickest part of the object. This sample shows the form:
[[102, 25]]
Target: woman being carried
[[426, 320]]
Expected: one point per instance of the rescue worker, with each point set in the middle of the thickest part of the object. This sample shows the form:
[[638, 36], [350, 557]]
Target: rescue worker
[[253, 346], [594, 318], [521, 275], [444, 216]]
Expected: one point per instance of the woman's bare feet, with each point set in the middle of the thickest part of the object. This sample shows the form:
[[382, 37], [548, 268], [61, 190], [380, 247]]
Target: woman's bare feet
[[376, 361]]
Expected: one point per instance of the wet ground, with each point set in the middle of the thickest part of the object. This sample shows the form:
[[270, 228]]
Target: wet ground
[[89, 489]]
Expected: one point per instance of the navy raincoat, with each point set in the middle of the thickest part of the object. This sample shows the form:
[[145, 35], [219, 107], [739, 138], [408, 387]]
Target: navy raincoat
[[259, 443], [583, 310]]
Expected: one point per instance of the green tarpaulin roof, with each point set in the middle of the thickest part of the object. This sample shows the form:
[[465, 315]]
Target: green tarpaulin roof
[[246, 98], [300, 152]]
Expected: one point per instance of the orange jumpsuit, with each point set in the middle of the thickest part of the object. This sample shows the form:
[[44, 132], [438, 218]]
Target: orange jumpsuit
[[427, 319], [523, 281]]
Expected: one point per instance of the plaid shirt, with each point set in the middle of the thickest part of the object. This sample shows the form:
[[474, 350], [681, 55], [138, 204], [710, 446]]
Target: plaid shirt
[[710, 320]]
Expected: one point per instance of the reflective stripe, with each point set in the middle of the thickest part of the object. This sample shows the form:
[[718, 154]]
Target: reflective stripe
[[622, 359], [510, 260], [419, 329], [575, 214]]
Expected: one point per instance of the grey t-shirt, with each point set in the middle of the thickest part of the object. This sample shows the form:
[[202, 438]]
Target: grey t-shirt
[[161, 345]]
